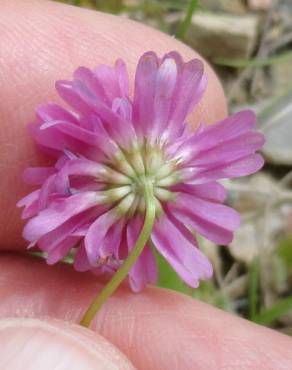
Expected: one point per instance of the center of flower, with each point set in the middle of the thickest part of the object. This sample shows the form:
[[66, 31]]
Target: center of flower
[[129, 171]]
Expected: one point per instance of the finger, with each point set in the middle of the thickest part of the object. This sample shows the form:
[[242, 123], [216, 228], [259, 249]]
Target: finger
[[55, 345], [158, 329], [44, 41]]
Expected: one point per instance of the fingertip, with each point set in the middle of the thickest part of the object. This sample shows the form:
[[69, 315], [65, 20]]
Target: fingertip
[[157, 329], [55, 344]]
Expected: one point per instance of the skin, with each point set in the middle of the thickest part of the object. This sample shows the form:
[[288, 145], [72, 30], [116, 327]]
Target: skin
[[41, 42]]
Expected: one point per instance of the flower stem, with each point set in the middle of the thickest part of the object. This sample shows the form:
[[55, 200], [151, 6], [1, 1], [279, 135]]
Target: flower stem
[[122, 272]]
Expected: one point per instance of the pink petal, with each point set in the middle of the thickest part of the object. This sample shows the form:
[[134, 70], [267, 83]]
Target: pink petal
[[81, 262], [59, 211], [31, 204], [71, 227], [28, 199], [212, 191], [71, 97], [77, 167], [164, 90], [52, 112], [123, 108], [190, 86], [95, 237], [228, 151], [214, 221], [63, 159], [119, 129], [93, 84], [47, 189], [110, 80], [37, 175], [213, 135], [144, 94], [177, 58], [61, 250], [186, 259], [112, 240], [85, 137], [238, 168], [59, 141], [165, 93], [144, 270], [122, 77], [182, 228]]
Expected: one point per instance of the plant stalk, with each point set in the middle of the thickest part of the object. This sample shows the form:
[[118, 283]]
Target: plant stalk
[[122, 272]]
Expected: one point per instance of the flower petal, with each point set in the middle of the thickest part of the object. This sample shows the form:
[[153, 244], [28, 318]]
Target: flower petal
[[123, 78], [37, 175], [53, 112], [120, 130], [61, 250], [95, 237], [228, 151], [85, 137], [214, 221], [30, 202], [46, 191], [186, 259], [190, 86], [93, 84], [177, 58], [164, 90], [59, 211], [144, 270], [114, 80], [242, 167], [71, 227], [211, 136], [212, 191], [112, 240], [144, 93], [81, 261], [68, 93], [77, 167], [56, 141], [123, 108]]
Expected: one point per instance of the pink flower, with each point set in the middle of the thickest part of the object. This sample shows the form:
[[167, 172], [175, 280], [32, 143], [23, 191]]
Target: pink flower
[[92, 200]]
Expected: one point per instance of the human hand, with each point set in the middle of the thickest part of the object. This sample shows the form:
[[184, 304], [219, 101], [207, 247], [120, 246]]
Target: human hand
[[41, 42]]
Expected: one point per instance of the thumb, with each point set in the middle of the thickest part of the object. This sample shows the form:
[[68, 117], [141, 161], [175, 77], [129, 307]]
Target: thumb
[[33, 344]]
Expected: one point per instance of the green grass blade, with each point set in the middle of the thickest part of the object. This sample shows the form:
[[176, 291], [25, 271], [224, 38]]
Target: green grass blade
[[254, 63], [270, 315], [183, 27], [253, 285]]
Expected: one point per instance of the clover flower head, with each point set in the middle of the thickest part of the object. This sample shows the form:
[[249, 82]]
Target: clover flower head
[[108, 147]]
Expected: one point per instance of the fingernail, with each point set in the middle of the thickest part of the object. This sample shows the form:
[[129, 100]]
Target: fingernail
[[32, 344]]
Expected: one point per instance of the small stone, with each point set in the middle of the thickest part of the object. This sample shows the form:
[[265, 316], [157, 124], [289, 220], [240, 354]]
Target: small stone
[[250, 197], [279, 73], [131, 2], [229, 6], [275, 120], [245, 245], [259, 4], [223, 36]]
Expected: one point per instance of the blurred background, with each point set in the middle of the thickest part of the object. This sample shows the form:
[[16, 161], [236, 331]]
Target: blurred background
[[249, 44]]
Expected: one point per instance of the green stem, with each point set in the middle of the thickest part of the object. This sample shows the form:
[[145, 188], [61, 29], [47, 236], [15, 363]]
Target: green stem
[[121, 274], [183, 27]]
